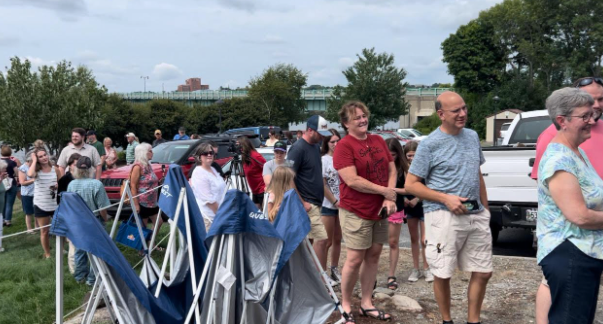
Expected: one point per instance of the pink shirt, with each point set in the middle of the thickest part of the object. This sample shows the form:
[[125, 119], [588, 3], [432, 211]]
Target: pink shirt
[[593, 147]]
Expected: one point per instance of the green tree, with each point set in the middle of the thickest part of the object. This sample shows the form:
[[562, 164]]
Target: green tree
[[374, 80], [20, 121], [117, 116], [428, 124], [236, 113], [168, 116], [278, 92]]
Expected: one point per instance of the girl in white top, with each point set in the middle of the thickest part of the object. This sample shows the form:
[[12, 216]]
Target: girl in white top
[[207, 184], [45, 190], [330, 204]]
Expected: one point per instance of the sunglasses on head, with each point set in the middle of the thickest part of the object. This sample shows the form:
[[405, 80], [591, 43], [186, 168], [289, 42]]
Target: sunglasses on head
[[208, 153], [588, 81]]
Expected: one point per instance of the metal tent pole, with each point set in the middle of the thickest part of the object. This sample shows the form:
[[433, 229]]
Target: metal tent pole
[[59, 279], [191, 260]]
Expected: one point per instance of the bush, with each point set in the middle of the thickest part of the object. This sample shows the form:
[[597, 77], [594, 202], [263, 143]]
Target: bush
[[121, 156], [428, 124]]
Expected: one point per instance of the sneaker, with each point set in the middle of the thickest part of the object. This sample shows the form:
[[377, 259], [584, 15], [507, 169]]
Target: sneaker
[[333, 283], [428, 275], [415, 274], [335, 275]]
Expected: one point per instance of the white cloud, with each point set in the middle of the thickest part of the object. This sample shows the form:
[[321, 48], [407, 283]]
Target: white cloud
[[268, 39], [166, 71], [346, 62], [9, 40], [37, 62]]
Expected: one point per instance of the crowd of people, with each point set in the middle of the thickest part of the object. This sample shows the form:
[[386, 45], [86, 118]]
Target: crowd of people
[[360, 189]]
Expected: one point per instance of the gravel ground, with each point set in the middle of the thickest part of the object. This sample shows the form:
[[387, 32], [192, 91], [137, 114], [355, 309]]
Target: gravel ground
[[509, 298]]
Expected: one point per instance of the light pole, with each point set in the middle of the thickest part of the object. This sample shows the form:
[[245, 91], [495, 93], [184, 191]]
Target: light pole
[[496, 100], [144, 79]]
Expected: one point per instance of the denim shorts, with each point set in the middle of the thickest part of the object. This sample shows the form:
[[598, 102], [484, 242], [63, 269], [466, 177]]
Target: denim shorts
[[574, 279], [27, 203], [324, 211]]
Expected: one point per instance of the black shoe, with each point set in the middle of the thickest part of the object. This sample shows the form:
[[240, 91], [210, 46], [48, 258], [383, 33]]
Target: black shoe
[[447, 322]]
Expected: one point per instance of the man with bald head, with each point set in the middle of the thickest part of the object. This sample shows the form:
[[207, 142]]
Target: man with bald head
[[592, 148], [457, 219]]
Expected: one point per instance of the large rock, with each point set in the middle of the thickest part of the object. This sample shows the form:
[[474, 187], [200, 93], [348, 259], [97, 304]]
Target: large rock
[[406, 304], [381, 296], [382, 290]]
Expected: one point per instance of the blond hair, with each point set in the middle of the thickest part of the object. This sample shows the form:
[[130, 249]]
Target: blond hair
[[281, 182]]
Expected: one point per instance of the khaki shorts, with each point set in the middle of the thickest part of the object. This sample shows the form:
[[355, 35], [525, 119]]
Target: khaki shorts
[[359, 233], [458, 240], [317, 230]]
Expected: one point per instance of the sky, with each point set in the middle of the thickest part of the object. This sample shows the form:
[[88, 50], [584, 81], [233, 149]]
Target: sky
[[228, 42]]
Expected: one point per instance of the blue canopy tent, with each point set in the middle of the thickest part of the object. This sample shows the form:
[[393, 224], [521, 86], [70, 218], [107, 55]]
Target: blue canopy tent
[[244, 254]]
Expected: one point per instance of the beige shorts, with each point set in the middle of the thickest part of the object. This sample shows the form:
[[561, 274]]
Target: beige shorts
[[458, 240], [317, 230], [359, 233]]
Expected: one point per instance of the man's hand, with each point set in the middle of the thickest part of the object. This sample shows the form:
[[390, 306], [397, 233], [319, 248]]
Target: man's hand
[[413, 202], [455, 204], [390, 206], [390, 194], [307, 206]]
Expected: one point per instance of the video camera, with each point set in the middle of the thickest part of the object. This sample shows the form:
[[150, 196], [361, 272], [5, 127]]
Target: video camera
[[235, 148]]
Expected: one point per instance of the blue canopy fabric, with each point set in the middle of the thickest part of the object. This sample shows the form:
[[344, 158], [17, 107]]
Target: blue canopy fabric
[[74, 219], [292, 224], [238, 214], [168, 201]]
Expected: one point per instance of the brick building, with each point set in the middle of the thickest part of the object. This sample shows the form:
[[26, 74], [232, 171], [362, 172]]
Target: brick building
[[192, 84]]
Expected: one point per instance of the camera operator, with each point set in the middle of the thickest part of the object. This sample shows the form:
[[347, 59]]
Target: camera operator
[[253, 166]]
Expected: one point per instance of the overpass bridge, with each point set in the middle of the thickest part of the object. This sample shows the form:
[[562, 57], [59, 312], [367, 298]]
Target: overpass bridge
[[421, 99]]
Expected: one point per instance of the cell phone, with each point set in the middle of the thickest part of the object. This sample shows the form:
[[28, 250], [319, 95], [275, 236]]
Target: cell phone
[[383, 213], [471, 205]]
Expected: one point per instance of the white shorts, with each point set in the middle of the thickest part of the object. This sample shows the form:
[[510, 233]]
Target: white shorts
[[458, 240]]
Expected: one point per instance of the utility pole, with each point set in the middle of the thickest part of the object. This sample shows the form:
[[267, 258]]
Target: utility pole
[[496, 100], [144, 79]]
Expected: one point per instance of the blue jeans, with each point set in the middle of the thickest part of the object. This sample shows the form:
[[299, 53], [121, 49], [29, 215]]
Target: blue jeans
[[574, 279], [10, 196], [82, 270]]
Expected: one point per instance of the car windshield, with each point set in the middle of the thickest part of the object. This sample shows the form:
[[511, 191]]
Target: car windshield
[[527, 130], [504, 127], [169, 153], [386, 135], [406, 134], [417, 132]]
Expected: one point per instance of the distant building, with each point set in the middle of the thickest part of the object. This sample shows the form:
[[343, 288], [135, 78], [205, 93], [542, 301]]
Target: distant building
[[192, 84]]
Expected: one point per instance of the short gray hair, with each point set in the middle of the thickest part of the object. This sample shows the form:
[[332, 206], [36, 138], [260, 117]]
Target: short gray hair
[[562, 102], [140, 153], [78, 173]]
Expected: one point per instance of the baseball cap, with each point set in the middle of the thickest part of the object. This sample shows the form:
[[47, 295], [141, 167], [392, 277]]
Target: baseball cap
[[84, 163], [130, 134], [91, 132], [280, 146], [318, 124], [157, 131]]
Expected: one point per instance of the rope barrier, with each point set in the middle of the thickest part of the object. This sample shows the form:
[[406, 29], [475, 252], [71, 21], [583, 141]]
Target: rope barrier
[[98, 210]]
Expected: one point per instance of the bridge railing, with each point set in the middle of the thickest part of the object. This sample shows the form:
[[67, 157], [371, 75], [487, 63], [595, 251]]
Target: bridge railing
[[215, 95]]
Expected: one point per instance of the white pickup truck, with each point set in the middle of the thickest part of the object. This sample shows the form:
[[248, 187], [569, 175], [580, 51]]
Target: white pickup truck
[[512, 194]]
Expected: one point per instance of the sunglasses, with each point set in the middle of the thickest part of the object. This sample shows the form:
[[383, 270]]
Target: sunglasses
[[588, 81], [208, 153]]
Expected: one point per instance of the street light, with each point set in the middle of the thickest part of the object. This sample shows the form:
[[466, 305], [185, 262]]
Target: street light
[[496, 100], [145, 78]]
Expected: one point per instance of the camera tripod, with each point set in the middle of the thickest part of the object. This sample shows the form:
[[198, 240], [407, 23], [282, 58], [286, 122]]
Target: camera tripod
[[236, 175]]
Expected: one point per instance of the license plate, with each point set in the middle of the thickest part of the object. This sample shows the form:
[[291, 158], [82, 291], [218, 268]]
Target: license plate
[[531, 215]]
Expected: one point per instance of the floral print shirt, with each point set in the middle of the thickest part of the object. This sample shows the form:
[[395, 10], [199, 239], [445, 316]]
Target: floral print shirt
[[148, 180], [553, 228]]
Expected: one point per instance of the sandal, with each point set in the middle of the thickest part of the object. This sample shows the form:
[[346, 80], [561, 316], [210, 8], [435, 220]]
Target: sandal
[[393, 285], [380, 316], [348, 318]]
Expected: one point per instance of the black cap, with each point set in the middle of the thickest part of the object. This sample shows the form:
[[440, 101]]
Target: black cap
[[281, 146], [84, 163], [91, 132]]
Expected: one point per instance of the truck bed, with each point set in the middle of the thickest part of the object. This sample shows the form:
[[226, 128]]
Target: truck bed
[[506, 173]]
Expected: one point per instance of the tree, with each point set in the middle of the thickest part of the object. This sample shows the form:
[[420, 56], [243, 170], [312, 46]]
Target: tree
[[168, 116], [278, 92], [20, 121], [428, 124], [475, 61], [236, 113], [375, 81]]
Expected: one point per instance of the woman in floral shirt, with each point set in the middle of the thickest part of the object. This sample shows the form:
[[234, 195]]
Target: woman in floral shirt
[[570, 212]]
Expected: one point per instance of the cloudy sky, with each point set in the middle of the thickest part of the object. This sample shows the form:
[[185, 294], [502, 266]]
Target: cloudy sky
[[227, 42]]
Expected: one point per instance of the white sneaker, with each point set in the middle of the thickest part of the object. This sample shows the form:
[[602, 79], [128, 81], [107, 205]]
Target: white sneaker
[[335, 275], [428, 275], [415, 274]]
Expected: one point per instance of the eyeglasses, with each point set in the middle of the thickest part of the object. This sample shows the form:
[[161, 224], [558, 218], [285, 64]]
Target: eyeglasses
[[456, 111], [585, 118], [588, 81], [208, 153]]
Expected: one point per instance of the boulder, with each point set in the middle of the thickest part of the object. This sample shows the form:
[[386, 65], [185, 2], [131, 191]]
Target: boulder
[[382, 290], [381, 296], [406, 304]]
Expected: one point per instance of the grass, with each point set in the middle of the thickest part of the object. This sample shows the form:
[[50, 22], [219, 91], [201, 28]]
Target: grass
[[27, 280]]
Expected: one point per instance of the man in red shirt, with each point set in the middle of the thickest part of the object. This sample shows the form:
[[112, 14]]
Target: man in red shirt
[[592, 148], [367, 196]]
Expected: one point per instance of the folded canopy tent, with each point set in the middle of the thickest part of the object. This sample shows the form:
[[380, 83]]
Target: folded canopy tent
[[132, 299]]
